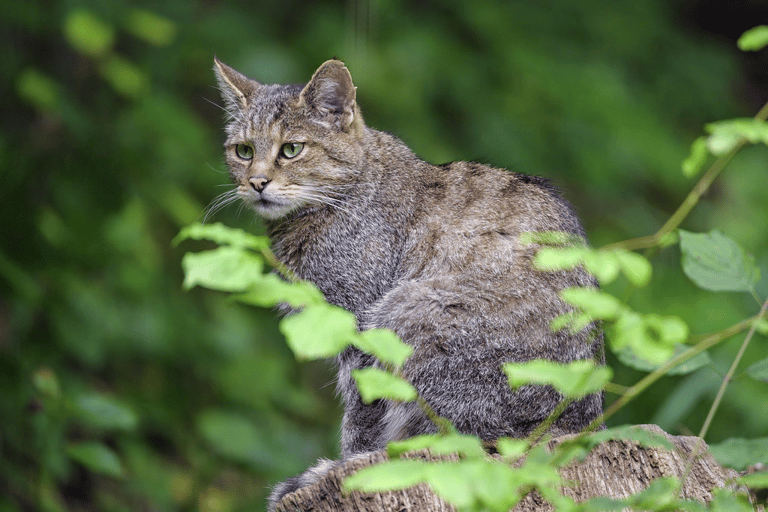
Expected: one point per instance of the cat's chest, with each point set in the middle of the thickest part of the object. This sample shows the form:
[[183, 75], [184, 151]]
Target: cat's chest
[[352, 263]]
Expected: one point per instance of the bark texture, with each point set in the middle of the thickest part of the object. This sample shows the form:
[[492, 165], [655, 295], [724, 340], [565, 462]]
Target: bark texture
[[614, 469]]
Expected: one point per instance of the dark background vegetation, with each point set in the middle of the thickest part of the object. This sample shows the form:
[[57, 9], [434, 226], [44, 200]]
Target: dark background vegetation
[[119, 391]]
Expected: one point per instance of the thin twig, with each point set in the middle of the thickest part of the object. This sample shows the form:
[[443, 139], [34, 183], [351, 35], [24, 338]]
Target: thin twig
[[720, 394]]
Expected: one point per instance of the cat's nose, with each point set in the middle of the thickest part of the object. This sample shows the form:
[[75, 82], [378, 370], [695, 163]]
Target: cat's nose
[[259, 182]]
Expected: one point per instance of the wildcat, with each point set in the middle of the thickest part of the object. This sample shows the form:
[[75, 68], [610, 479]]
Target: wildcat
[[432, 252]]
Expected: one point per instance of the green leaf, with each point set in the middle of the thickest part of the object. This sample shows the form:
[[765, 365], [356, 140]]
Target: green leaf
[[635, 267], [660, 494], [389, 475], [633, 433], [696, 160], [232, 436], [726, 135], [593, 302], [38, 89], [270, 290], [551, 238], [463, 444], [384, 344], [761, 326], [231, 269], [604, 265], [754, 39], [754, 480], [559, 258], [374, 383], [87, 33], [509, 447], [575, 380], [104, 412], [715, 262], [740, 453], [96, 457], [759, 370], [151, 27], [628, 357], [320, 330], [725, 500], [46, 382], [222, 235], [449, 482], [124, 76], [651, 337]]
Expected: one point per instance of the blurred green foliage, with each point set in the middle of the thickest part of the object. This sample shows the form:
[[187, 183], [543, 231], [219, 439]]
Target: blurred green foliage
[[119, 391]]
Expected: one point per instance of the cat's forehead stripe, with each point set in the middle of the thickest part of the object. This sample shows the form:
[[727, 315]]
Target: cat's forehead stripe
[[270, 105]]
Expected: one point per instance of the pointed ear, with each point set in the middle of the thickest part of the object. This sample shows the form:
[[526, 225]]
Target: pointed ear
[[235, 87], [331, 94]]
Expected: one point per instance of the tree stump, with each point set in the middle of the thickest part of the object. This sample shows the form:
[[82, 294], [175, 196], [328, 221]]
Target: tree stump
[[614, 469]]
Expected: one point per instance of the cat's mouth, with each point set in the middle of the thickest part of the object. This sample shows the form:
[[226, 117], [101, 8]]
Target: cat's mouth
[[271, 208]]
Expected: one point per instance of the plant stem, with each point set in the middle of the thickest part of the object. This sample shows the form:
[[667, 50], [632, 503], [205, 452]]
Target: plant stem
[[544, 425], [690, 201], [278, 265], [720, 394]]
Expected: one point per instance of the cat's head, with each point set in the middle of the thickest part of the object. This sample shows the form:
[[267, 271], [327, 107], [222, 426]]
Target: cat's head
[[291, 146]]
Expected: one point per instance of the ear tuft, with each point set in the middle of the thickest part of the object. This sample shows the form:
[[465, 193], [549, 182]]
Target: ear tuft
[[331, 94], [235, 87]]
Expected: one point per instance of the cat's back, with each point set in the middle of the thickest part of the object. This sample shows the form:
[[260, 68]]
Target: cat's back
[[471, 216]]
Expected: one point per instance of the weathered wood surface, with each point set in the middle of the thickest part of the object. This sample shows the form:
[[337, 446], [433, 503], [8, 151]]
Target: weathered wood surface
[[613, 469]]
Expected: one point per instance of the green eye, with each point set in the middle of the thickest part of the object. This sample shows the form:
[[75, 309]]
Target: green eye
[[291, 149], [244, 151]]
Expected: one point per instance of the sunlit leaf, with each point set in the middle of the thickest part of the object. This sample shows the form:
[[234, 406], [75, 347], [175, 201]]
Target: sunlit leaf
[[384, 344], [466, 445], [754, 39], [97, 457], [374, 383], [726, 135], [634, 433], [715, 262], [450, 483], [87, 33], [629, 358], [270, 290], [124, 76], [651, 337], [635, 267], [222, 235], [604, 265], [151, 27], [393, 474], [574, 380], [695, 161], [595, 303], [509, 447], [225, 268], [104, 412], [740, 453], [559, 258], [320, 330], [551, 238]]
